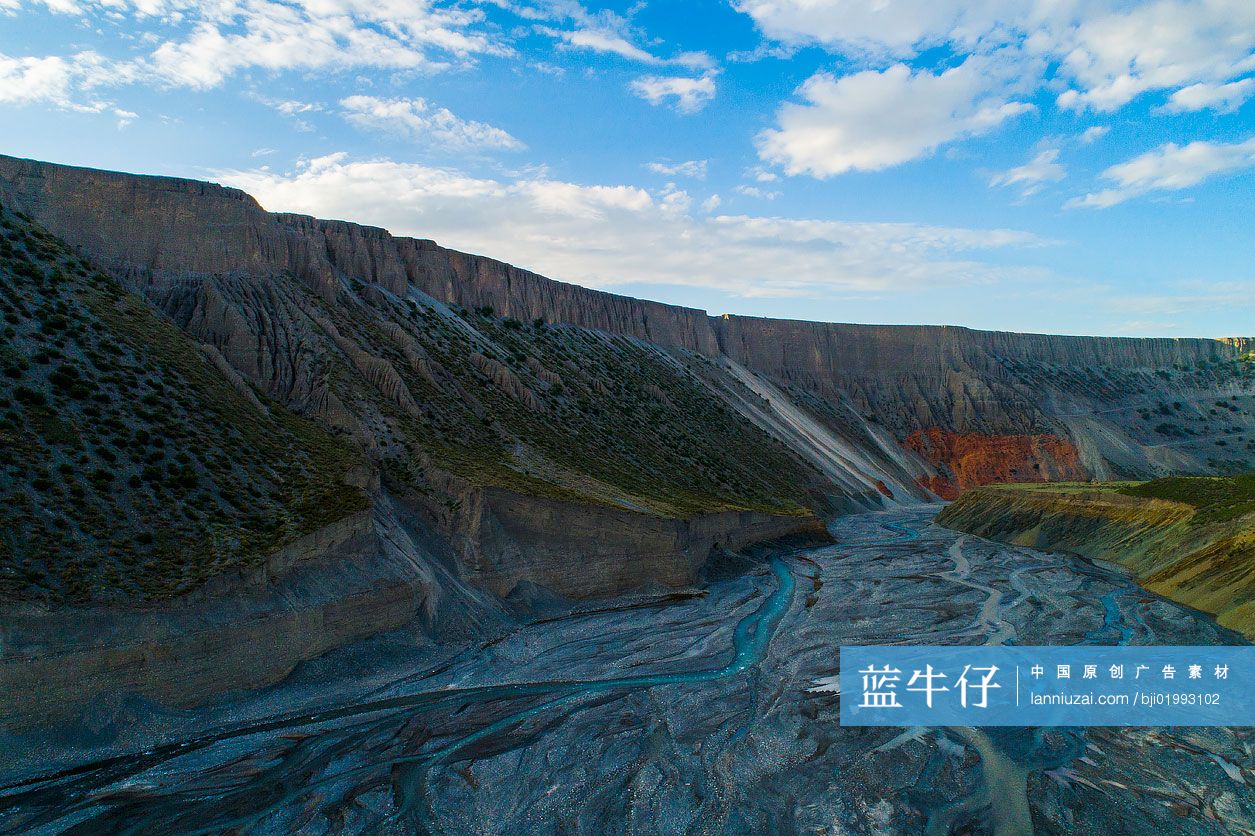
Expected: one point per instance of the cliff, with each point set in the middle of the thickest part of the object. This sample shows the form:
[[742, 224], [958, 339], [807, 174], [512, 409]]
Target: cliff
[[377, 571], [1101, 396], [1190, 539], [976, 459], [510, 539], [164, 228], [998, 396]]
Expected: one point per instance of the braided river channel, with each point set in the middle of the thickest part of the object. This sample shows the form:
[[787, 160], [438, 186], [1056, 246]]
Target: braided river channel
[[703, 714]]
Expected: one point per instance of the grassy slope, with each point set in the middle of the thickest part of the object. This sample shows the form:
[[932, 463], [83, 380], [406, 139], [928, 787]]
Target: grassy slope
[[130, 467], [1191, 539], [569, 413]]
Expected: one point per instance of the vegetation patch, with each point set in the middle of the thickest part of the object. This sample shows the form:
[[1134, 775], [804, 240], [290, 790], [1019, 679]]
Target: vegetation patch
[[130, 468], [1217, 499], [563, 412]]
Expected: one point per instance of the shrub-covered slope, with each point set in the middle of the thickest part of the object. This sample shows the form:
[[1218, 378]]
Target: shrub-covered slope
[[138, 462], [131, 466], [980, 406], [555, 411]]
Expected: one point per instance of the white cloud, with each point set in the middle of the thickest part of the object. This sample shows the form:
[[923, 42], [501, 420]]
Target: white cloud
[[1224, 98], [611, 235], [755, 192], [872, 120], [29, 79], [200, 45], [293, 107], [686, 95], [1170, 167], [1034, 174], [886, 28], [60, 82], [1091, 135], [416, 119], [604, 31], [318, 34], [1107, 51], [602, 41], [1118, 55], [689, 168], [694, 60], [612, 43]]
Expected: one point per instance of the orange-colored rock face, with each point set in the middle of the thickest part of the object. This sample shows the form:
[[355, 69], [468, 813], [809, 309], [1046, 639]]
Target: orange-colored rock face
[[967, 460], [939, 485]]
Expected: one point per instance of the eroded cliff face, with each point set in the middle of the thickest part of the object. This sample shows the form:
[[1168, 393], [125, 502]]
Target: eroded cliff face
[[165, 229], [583, 551], [1119, 407], [383, 570], [1103, 396]]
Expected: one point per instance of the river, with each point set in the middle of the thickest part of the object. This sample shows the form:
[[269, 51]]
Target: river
[[702, 715]]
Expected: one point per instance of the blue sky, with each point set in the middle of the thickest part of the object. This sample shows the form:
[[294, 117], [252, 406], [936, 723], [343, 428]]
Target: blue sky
[[1030, 165]]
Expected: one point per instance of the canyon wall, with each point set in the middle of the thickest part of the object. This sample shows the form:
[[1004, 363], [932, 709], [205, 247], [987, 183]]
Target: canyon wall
[[508, 539], [976, 459], [984, 407], [919, 376], [987, 387], [161, 229], [336, 586], [376, 571]]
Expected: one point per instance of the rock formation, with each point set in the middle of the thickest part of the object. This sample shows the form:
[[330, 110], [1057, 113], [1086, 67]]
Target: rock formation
[[972, 459]]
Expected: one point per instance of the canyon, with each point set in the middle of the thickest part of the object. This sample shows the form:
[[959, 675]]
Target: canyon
[[470, 443], [705, 713]]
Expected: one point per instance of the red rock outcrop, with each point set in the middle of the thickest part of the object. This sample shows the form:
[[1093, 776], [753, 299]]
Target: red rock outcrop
[[967, 460]]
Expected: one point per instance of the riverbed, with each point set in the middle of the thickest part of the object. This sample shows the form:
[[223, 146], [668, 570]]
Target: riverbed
[[705, 714]]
